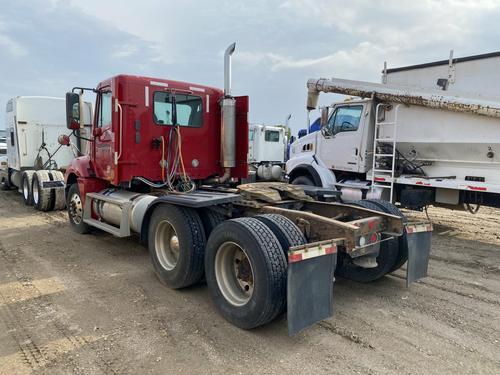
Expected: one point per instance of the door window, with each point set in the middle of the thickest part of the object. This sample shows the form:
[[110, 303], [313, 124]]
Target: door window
[[105, 110], [272, 136], [189, 109], [345, 119]]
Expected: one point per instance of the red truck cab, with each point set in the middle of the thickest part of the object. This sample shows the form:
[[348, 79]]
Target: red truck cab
[[132, 132]]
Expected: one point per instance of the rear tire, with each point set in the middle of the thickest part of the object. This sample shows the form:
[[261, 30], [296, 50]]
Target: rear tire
[[59, 196], [42, 197], [5, 184], [402, 240], [385, 260], [75, 210], [26, 183], [246, 272], [302, 180], [287, 233], [210, 219], [176, 241]]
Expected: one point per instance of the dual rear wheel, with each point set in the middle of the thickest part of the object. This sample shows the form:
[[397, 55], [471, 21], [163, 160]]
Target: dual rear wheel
[[42, 198], [244, 259]]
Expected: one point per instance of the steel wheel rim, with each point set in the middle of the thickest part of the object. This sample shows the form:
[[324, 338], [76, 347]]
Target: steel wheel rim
[[167, 245], [234, 274], [35, 193], [26, 190], [76, 209]]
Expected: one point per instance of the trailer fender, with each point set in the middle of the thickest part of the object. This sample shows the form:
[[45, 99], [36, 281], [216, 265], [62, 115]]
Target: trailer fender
[[197, 199]]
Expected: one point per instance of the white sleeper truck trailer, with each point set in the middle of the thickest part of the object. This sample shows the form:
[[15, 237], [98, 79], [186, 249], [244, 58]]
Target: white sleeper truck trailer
[[427, 135], [36, 161], [266, 151]]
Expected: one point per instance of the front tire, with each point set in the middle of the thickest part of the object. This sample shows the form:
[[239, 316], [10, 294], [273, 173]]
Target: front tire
[[75, 210], [246, 272], [302, 180], [176, 241]]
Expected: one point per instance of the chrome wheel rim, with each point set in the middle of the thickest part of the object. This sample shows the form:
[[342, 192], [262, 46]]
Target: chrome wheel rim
[[35, 194], [167, 245], [234, 274], [75, 209], [26, 189]]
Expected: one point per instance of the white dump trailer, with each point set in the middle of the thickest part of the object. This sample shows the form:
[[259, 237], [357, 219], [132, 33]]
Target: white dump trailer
[[266, 151], [36, 160], [408, 140]]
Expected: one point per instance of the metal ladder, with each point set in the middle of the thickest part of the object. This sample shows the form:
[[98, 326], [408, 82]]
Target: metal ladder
[[386, 176]]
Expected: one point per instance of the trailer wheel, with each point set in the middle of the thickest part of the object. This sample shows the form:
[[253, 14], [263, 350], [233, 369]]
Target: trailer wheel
[[176, 241], [210, 219], [385, 260], [59, 197], [287, 233], [402, 240], [26, 183], [42, 197], [246, 272], [75, 210], [5, 184]]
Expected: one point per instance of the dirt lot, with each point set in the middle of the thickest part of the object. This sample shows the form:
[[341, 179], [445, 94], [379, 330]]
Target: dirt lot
[[92, 305]]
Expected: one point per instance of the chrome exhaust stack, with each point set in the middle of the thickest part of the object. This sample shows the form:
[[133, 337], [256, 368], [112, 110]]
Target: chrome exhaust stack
[[228, 123], [228, 129]]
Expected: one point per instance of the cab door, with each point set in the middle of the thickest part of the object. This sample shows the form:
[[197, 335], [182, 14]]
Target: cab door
[[104, 137], [340, 144]]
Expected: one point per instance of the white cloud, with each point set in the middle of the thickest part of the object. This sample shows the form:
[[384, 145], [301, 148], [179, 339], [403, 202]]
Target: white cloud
[[11, 46], [8, 44]]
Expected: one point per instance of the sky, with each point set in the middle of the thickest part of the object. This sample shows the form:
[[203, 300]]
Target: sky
[[49, 46]]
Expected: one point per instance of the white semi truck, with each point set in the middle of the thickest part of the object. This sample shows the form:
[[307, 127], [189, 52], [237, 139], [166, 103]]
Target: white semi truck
[[428, 134], [266, 151], [36, 160]]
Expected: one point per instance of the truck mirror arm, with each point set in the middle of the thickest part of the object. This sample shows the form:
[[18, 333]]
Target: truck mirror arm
[[80, 137]]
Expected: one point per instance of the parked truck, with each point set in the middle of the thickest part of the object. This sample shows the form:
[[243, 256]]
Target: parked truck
[[429, 134], [165, 161], [35, 160], [266, 151]]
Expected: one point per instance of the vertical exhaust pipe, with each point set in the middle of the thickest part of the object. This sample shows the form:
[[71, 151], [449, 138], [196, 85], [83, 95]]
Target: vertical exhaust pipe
[[227, 69], [228, 123], [228, 116]]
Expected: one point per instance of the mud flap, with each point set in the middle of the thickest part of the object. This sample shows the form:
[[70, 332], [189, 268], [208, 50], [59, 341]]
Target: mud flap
[[419, 248], [310, 284]]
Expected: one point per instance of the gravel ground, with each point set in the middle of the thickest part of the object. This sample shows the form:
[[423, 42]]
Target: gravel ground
[[91, 304]]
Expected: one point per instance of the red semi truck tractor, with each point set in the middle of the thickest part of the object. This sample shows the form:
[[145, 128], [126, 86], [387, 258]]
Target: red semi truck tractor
[[166, 160]]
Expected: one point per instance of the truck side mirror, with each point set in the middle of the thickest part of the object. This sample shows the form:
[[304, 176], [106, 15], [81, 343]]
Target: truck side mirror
[[72, 111], [324, 116]]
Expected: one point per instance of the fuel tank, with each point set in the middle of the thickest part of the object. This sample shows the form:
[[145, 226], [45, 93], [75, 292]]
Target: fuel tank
[[111, 213]]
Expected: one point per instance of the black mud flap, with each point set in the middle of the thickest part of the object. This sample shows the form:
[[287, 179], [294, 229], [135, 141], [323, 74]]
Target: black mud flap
[[419, 248], [53, 184], [310, 284]]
